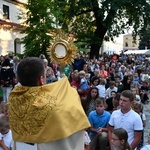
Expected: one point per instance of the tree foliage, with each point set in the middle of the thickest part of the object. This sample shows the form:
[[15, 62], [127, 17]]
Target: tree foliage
[[39, 21], [91, 21], [145, 39]]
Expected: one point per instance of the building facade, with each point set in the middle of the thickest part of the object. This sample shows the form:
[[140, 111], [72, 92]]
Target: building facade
[[10, 26], [129, 43], [112, 47]]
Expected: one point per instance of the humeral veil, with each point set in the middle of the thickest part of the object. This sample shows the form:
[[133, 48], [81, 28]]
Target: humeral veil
[[45, 113]]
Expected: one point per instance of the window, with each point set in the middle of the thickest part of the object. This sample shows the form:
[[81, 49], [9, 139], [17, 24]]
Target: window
[[17, 46], [126, 44], [6, 12]]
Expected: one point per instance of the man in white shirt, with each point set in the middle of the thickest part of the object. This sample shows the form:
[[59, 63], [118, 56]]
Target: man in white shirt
[[128, 119]]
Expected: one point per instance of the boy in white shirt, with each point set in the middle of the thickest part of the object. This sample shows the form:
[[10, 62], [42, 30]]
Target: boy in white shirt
[[111, 88], [101, 88]]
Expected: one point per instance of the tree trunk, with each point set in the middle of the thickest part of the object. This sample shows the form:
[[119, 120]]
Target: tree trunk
[[95, 47], [94, 52]]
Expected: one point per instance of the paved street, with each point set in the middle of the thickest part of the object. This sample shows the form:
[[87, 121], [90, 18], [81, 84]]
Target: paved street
[[147, 128]]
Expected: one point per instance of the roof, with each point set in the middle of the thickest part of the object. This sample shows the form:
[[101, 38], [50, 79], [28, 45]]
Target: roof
[[137, 52]]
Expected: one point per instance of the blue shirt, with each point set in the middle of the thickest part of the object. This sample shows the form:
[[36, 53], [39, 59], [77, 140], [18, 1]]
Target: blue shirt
[[84, 84], [97, 120]]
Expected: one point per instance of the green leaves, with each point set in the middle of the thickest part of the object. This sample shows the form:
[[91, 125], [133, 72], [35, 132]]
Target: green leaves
[[40, 20], [145, 39], [89, 20]]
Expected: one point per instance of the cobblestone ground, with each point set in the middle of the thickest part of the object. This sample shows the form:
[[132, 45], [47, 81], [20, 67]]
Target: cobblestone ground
[[147, 128]]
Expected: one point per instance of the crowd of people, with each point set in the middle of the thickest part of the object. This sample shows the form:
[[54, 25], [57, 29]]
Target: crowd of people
[[112, 91], [123, 83]]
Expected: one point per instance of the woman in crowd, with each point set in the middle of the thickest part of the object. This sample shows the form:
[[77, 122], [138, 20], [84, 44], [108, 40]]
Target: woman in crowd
[[89, 102]]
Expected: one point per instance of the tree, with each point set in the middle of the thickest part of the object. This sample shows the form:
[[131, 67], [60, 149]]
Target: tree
[[40, 20], [145, 40], [92, 21]]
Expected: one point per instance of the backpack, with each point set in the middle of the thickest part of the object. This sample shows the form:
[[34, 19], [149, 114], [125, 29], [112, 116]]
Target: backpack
[[6, 75]]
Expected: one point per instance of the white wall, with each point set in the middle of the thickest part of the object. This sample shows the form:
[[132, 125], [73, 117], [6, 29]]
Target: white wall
[[110, 47], [7, 41], [14, 11], [130, 42], [23, 1], [7, 37]]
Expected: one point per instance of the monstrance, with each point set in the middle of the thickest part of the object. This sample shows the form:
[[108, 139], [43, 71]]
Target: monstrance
[[62, 50]]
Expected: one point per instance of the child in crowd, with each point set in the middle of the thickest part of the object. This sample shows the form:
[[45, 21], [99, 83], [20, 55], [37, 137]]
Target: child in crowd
[[119, 84], [137, 96], [83, 82], [120, 139], [6, 141], [99, 119], [101, 88], [144, 92], [136, 79], [139, 109], [144, 75], [87, 76], [50, 77], [110, 102], [112, 87], [116, 101], [3, 108]]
